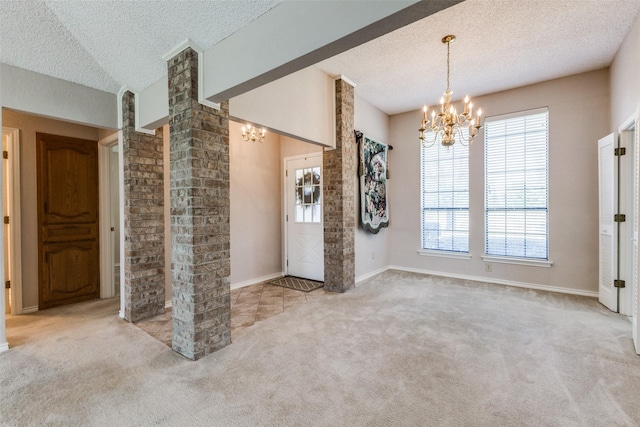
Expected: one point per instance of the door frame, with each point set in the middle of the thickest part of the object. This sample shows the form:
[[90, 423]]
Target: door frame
[[626, 135], [630, 295], [15, 237], [285, 228], [105, 190]]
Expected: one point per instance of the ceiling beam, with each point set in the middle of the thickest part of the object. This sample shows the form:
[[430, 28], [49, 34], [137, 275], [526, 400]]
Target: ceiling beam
[[297, 34]]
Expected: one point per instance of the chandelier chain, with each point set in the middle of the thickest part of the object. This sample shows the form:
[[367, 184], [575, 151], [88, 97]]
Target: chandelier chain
[[448, 66]]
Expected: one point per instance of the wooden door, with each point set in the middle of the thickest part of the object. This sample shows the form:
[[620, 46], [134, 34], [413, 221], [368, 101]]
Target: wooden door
[[68, 255]]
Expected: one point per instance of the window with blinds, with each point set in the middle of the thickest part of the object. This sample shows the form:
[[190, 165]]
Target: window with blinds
[[445, 197], [516, 185]]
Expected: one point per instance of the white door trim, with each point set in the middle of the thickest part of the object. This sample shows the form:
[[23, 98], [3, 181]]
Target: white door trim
[[285, 234], [15, 227], [625, 205], [105, 191], [121, 207]]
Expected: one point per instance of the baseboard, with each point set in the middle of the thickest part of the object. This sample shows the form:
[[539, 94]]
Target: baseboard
[[28, 310], [366, 276], [4, 347], [525, 285], [256, 280]]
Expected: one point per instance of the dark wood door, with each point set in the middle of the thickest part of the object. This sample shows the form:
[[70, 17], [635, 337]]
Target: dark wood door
[[68, 255]]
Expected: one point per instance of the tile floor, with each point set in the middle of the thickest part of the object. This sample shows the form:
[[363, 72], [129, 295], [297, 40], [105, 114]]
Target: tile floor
[[249, 305]]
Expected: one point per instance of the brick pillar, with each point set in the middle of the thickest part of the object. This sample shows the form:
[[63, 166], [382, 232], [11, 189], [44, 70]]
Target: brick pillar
[[339, 178], [199, 214], [143, 218]]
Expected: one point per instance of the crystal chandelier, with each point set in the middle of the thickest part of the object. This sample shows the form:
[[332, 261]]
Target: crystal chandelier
[[446, 125], [251, 133]]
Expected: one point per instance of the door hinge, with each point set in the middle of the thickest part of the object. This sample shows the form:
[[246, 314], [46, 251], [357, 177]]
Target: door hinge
[[7, 284], [618, 283], [5, 154], [619, 217], [287, 217], [286, 172], [620, 151], [6, 220], [287, 263]]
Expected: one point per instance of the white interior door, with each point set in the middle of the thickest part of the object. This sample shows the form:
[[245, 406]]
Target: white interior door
[[304, 224], [608, 295]]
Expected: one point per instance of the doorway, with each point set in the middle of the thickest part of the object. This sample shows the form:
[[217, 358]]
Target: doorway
[[304, 226], [12, 220], [68, 254], [109, 216]]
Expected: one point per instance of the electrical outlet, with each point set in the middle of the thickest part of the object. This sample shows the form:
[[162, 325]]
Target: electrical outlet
[[488, 267], [373, 255]]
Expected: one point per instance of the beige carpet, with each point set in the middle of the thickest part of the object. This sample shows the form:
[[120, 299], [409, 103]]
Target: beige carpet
[[400, 350]]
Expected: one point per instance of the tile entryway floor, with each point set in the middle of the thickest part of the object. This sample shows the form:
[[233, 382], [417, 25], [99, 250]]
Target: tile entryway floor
[[249, 305]]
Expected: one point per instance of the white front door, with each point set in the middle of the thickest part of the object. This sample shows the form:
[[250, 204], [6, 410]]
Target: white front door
[[304, 225], [608, 246]]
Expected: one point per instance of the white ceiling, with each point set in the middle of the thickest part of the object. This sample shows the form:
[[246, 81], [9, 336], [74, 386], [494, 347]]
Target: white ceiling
[[501, 44], [106, 44]]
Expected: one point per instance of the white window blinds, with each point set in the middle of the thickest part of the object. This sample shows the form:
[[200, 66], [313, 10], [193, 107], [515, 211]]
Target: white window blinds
[[516, 185], [445, 197]]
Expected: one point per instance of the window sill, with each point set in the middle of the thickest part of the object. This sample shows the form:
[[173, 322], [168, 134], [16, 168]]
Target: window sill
[[517, 261], [444, 254]]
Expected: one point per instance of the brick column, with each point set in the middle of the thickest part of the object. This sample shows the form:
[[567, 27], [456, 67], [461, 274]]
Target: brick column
[[199, 214], [143, 218], [339, 178]]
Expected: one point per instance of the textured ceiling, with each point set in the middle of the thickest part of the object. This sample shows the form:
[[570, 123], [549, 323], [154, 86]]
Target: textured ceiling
[[501, 44], [106, 44]]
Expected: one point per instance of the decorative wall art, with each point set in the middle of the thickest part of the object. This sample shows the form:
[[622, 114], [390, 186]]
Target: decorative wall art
[[374, 209]]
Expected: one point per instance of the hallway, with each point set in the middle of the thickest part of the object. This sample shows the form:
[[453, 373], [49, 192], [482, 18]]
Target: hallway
[[249, 305]]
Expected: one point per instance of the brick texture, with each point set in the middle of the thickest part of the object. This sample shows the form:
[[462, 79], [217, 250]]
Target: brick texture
[[199, 214], [339, 171], [143, 218]]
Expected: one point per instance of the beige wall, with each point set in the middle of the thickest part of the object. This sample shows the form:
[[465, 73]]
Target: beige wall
[[36, 93], [28, 126], [578, 116], [625, 78], [255, 206], [372, 250], [299, 105]]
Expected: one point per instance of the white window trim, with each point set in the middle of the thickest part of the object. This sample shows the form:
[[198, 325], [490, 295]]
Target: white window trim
[[517, 114], [517, 261], [444, 254]]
